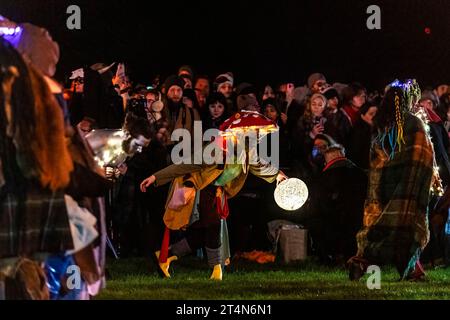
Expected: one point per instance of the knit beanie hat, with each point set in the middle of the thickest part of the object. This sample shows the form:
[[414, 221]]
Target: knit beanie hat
[[330, 93], [224, 78], [186, 70], [173, 80]]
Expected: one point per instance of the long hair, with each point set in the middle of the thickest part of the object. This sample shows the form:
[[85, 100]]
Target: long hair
[[15, 91], [31, 123], [308, 116], [399, 99], [385, 116]]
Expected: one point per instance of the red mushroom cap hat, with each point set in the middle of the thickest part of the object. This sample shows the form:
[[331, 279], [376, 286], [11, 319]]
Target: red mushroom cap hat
[[246, 121]]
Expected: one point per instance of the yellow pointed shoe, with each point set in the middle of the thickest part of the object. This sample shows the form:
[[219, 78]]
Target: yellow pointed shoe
[[217, 273], [164, 266]]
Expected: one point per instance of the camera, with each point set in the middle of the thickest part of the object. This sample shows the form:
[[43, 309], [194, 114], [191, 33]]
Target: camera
[[138, 107]]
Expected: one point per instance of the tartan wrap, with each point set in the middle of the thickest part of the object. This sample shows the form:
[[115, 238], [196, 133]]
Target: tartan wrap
[[395, 225], [34, 223]]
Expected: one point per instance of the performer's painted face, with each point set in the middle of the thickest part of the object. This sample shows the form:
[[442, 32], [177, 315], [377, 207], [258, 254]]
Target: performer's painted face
[[133, 145]]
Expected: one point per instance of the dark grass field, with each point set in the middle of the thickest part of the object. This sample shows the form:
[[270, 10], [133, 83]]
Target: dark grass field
[[137, 279]]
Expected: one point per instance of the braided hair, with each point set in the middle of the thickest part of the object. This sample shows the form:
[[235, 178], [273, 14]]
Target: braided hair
[[389, 121]]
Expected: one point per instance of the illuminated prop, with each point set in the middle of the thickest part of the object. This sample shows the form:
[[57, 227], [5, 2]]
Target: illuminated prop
[[436, 185], [291, 194], [107, 145], [8, 28], [245, 121], [9, 31], [236, 128]]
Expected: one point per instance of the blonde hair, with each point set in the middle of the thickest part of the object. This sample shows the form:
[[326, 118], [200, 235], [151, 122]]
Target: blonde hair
[[308, 112]]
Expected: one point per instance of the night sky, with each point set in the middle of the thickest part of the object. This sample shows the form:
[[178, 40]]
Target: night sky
[[260, 41]]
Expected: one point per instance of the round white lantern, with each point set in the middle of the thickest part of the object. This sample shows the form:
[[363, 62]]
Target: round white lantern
[[291, 194]]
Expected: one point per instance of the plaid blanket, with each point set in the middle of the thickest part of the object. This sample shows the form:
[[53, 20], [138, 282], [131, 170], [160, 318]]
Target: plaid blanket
[[395, 226], [34, 223]]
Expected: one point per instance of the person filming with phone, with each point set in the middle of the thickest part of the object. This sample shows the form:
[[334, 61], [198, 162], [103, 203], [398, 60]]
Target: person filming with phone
[[311, 124]]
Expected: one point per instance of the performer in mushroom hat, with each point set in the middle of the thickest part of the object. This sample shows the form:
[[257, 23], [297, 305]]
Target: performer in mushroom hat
[[198, 195]]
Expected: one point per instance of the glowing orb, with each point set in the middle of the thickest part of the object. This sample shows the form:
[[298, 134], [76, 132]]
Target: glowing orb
[[291, 194]]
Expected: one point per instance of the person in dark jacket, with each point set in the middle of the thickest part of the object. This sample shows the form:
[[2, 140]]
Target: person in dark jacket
[[272, 111], [291, 109], [312, 123], [354, 97], [138, 216], [224, 84], [439, 137], [361, 136], [338, 201], [100, 101], [336, 119], [180, 115]]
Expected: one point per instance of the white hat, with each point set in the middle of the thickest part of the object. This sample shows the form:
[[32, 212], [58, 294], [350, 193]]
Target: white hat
[[101, 67], [79, 73]]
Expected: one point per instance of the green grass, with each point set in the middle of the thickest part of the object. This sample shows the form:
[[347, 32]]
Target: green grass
[[137, 279]]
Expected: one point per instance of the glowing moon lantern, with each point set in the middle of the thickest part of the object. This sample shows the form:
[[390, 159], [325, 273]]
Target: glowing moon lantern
[[291, 194]]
